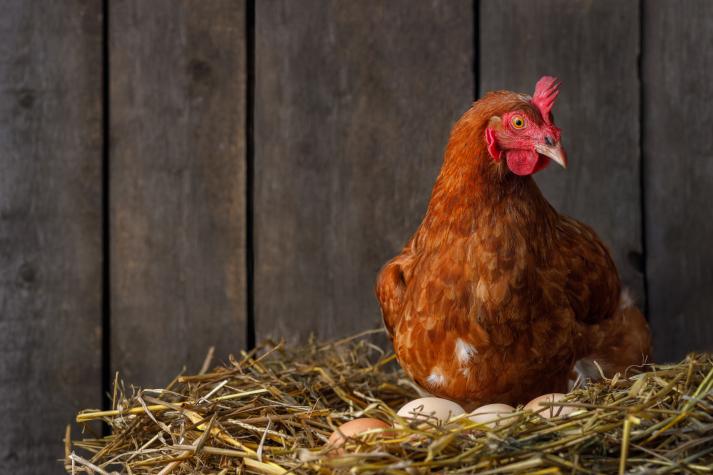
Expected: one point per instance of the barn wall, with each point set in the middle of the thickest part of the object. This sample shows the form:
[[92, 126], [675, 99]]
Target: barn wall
[[353, 105], [180, 174], [678, 173], [177, 184], [50, 226]]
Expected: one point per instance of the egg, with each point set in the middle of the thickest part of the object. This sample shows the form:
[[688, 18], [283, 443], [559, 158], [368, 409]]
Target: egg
[[491, 415], [431, 409], [353, 428], [549, 412]]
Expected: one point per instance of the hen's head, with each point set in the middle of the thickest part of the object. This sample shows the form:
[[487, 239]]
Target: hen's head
[[520, 129]]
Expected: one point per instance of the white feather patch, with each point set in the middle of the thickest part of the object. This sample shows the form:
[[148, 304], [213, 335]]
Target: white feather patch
[[436, 378], [626, 300], [464, 351]]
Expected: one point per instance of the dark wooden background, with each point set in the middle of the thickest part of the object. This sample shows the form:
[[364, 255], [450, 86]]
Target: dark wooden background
[[176, 174]]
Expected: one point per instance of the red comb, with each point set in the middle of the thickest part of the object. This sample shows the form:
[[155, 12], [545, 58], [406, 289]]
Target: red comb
[[546, 91]]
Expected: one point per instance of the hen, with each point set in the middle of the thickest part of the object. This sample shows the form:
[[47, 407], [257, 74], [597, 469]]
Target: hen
[[497, 297]]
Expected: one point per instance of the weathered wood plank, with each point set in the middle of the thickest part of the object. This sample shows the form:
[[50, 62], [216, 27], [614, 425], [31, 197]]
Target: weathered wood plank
[[593, 48], [50, 226], [678, 173], [177, 184], [354, 103]]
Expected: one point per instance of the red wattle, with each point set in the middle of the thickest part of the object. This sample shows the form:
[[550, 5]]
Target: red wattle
[[542, 163], [523, 162]]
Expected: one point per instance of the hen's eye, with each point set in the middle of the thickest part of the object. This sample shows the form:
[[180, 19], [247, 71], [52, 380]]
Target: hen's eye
[[518, 122]]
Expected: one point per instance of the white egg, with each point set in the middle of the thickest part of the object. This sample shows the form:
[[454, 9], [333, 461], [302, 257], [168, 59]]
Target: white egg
[[431, 409], [549, 412], [491, 415]]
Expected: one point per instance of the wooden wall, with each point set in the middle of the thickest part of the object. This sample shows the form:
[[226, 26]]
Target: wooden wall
[[50, 225], [353, 105], [678, 173], [177, 184], [176, 174]]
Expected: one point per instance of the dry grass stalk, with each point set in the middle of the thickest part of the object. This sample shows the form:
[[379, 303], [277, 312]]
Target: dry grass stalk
[[272, 411]]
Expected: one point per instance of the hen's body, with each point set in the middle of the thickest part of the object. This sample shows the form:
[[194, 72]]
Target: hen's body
[[496, 296]]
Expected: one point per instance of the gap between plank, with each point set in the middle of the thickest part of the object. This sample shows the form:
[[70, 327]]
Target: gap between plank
[[106, 221], [642, 162], [250, 170], [476, 49]]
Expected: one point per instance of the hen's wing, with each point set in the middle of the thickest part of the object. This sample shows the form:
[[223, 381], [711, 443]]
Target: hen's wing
[[391, 285], [592, 286]]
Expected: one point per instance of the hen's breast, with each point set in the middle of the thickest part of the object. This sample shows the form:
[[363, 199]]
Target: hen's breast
[[485, 319]]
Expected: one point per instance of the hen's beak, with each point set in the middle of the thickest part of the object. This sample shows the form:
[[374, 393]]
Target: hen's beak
[[553, 151]]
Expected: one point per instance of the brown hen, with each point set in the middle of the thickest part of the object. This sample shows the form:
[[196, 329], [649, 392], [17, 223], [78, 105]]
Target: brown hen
[[497, 297]]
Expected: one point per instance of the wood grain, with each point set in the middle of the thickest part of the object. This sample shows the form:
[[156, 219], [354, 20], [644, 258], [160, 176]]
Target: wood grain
[[593, 47], [50, 226], [677, 66], [354, 103], [177, 184]]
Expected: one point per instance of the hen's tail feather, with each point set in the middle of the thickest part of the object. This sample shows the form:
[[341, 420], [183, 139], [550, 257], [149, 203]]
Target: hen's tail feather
[[618, 343]]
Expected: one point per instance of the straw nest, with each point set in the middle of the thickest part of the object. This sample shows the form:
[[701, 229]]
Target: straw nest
[[272, 410]]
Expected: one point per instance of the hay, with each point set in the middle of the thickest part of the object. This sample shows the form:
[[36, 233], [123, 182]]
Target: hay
[[272, 410]]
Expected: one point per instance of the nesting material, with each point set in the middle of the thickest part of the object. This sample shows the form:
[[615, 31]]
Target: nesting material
[[272, 410]]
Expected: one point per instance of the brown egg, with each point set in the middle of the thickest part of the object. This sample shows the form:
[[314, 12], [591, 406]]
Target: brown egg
[[491, 415], [431, 409], [353, 428], [549, 412]]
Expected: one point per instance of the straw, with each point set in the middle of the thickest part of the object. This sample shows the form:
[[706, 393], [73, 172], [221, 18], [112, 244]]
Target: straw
[[272, 410]]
